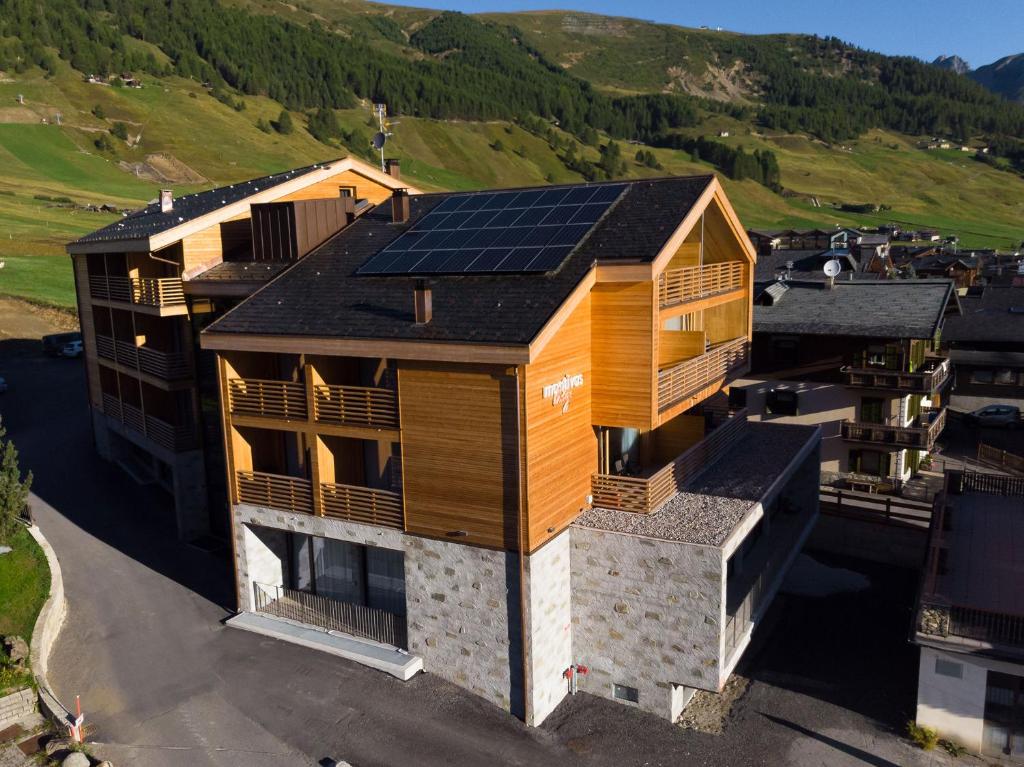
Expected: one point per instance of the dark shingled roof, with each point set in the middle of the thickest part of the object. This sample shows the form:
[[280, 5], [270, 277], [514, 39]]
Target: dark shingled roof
[[882, 309], [151, 221], [242, 271], [322, 296], [989, 318]]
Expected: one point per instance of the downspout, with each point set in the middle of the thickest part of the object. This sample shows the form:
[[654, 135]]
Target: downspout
[[522, 553]]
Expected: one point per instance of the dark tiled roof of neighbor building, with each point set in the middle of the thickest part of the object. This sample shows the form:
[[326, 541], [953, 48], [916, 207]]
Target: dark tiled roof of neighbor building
[[322, 296], [881, 309], [150, 220], [242, 271], [995, 316]]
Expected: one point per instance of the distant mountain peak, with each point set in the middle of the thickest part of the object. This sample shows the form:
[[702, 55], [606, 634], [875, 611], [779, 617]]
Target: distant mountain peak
[[952, 63], [1005, 76]]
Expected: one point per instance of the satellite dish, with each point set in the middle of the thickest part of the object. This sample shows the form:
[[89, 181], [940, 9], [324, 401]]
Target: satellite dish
[[378, 140], [833, 267]]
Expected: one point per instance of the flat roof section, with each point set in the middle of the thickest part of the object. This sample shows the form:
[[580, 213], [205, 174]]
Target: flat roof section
[[719, 499]]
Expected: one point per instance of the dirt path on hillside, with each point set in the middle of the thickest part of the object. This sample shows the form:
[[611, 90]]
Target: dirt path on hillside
[[21, 319]]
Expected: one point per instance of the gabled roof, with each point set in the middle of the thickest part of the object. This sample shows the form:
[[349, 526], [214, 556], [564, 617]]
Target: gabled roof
[[997, 316], [151, 229], [323, 297], [879, 309]]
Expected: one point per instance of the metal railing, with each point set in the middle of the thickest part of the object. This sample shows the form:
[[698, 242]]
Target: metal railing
[[365, 505], [369, 406], [992, 484], [920, 382], [644, 495], [285, 400], [174, 438], [936, 618], [146, 291], [275, 491], [685, 379], [331, 614], [691, 283], [994, 456], [921, 434], [165, 365]]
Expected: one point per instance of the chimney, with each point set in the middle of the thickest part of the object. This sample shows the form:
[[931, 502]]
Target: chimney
[[400, 206], [423, 302], [166, 201], [393, 167]]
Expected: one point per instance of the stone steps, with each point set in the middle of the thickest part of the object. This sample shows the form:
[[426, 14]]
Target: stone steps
[[17, 706]]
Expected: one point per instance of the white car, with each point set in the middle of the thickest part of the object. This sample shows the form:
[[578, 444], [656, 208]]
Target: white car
[[71, 349], [3, 384]]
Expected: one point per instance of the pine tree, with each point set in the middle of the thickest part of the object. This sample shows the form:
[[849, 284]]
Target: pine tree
[[13, 490], [284, 124]]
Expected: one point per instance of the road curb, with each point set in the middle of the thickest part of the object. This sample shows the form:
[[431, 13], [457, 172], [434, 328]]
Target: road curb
[[47, 629]]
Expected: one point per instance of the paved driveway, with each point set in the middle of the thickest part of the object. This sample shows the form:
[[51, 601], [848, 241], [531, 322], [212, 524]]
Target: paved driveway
[[164, 683]]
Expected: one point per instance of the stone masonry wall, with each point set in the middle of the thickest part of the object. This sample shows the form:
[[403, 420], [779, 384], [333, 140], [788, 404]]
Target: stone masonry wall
[[646, 614], [549, 617]]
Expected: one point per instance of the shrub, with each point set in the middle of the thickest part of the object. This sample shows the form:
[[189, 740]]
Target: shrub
[[263, 125], [13, 490], [284, 124], [103, 143], [98, 112], [120, 130], [924, 737], [954, 749]]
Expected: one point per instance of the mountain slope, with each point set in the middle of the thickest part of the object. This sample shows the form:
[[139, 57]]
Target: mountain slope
[[1005, 77], [953, 64]]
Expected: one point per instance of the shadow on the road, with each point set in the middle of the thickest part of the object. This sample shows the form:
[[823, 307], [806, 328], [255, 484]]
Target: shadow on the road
[[46, 414], [838, 745]]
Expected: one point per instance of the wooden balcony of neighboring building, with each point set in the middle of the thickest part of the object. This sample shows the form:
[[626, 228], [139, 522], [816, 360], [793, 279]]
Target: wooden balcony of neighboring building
[[646, 494], [279, 400], [157, 292], [683, 380], [694, 283], [924, 381], [920, 434], [174, 438], [275, 491], [168, 366]]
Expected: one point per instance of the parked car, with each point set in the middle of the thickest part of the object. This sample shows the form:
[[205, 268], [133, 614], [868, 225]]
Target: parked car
[[71, 349], [995, 415], [53, 345], [3, 384]]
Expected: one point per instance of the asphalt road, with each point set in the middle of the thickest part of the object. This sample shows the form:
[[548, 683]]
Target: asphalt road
[[164, 683]]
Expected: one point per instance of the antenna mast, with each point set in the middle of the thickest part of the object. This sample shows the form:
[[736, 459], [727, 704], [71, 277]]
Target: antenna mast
[[380, 138]]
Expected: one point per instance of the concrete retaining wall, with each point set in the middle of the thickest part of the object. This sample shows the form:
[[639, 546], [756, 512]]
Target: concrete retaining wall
[[47, 629]]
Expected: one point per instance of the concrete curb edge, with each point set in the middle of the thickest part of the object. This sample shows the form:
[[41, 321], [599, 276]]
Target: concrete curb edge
[[47, 629]]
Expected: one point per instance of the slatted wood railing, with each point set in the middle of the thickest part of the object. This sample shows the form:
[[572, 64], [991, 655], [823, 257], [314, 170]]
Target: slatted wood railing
[[284, 400], [167, 435], [146, 291], [363, 504], [994, 456], [690, 283], [274, 491], [644, 495], [369, 406], [166, 365], [685, 379], [922, 381]]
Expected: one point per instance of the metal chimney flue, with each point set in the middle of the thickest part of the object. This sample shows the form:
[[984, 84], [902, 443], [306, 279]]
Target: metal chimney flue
[[400, 206], [422, 302], [166, 201]]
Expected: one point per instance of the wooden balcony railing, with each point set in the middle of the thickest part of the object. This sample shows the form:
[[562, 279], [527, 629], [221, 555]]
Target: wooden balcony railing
[[167, 365], [920, 382], [169, 436], [285, 400], [687, 378], [994, 456], [643, 495], [363, 504], [992, 484], [691, 283], [331, 614], [274, 491], [146, 291], [355, 406], [920, 435]]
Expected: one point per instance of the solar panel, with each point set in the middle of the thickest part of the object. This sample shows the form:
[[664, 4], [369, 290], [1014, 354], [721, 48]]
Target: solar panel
[[530, 231]]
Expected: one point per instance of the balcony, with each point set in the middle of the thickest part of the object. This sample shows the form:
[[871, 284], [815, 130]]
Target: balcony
[[365, 406], [677, 383], [174, 438], [924, 381], [275, 491], [169, 366], [692, 283], [364, 505], [646, 494], [919, 435], [145, 291], [281, 400]]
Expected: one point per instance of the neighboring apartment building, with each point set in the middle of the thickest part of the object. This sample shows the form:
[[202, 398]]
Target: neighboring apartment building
[[969, 621], [856, 358], [470, 427], [147, 284], [986, 348]]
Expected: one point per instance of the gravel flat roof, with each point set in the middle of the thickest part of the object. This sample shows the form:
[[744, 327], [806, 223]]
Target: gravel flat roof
[[712, 505]]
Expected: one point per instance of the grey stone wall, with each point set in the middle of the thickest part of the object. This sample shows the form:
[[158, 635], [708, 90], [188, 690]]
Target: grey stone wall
[[646, 614], [549, 625]]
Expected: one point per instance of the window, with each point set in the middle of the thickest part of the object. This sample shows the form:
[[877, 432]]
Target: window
[[949, 668], [622, 692], [872, 409], [347, 191], [1005, 377], [872, 462], [781, 402], [737, 397], [982, 376]]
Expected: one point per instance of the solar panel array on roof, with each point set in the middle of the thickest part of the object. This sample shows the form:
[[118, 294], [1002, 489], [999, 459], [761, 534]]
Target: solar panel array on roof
[[528, 231]]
